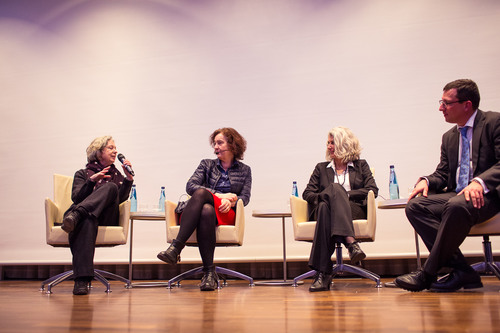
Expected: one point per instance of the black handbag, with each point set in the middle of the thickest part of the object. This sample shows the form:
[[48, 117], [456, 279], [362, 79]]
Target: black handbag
[[181, 205]]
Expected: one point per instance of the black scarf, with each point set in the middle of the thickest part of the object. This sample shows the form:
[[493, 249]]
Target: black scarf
[[95, 167]]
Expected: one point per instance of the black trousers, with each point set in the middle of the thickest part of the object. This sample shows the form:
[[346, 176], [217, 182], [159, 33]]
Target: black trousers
[[443, 221], [102, 207], [334, 222]]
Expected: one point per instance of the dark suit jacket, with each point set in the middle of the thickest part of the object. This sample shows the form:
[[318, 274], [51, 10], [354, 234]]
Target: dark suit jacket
[[485, 154], [360, 179]]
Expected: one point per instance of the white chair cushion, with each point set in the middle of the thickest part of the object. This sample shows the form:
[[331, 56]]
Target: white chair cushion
[[106, 235], [225, 234], [489, 227]]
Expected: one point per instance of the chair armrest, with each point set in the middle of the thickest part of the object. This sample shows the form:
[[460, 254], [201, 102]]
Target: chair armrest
[[124, 220], [371, 207], [170, 215], [364, 228], [298, 209], [239, 222], [51, 213]]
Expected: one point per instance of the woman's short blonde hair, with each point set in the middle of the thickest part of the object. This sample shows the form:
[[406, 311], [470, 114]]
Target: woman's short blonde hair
[[95, 148], [347, 146]]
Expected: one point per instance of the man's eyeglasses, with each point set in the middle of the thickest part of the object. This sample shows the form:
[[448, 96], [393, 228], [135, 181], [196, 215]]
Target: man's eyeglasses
[[446, 104]]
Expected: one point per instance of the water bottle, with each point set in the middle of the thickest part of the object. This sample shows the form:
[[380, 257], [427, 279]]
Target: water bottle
[[161, 204], [133, 199], [393, 184], [295, 191]]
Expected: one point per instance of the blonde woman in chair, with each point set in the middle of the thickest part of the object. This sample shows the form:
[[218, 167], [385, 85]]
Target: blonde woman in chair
[[97, 193], [336, 194], [215, 187]]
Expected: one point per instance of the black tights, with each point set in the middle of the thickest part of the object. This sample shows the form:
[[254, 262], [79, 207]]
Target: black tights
[[199, 214]]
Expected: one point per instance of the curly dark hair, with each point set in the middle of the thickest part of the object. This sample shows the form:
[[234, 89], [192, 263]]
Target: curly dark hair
[[235, 141]]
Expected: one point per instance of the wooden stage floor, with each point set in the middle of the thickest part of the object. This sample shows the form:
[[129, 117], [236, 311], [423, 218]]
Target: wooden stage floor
[[353, 305]]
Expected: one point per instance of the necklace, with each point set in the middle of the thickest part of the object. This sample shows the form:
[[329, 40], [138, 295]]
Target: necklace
[[337, 176], [344, 172]]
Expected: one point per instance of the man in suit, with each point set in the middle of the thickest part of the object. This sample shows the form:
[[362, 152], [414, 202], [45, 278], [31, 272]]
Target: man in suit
[[466, 184]]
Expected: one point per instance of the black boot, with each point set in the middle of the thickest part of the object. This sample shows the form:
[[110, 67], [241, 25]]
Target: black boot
[[355, 252], [322, 282], [210, 280], [172, 255], [71, 219], [81, 286]]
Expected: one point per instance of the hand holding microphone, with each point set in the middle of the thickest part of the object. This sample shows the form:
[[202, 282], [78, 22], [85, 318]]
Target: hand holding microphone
[[122, 159]]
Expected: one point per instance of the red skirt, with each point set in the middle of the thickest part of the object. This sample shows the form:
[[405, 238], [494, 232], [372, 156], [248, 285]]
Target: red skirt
[[228, 218], [223, 218]]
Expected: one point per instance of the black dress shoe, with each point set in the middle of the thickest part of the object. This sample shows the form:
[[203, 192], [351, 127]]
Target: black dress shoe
[[322, 282], [172, 255], [209, 281], [457, 280], [81, 287], [355, 252], [415, 281], [70, 221]]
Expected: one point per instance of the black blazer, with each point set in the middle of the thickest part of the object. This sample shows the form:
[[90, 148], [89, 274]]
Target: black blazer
[[485, 154], [360, 179]]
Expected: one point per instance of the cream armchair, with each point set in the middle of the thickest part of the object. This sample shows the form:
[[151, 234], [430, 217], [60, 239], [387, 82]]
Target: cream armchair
[[106, 235], [364, 231]]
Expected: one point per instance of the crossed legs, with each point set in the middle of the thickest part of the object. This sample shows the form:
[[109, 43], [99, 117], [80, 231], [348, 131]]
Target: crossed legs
[[443, 221]]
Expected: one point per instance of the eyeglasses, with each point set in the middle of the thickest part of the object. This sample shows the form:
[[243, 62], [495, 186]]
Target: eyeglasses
[[446, 104], [218, 143], [110, 147]]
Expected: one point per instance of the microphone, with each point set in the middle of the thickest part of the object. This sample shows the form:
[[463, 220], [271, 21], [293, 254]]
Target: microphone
[[121, 158], [218, 152]]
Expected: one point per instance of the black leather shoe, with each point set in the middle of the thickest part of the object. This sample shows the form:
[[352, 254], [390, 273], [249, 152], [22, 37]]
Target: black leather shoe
[[322, 282], [457, 280], [70, 221], [172, 255], [209, 281], [81, 287], [355, 252], [415, 281]]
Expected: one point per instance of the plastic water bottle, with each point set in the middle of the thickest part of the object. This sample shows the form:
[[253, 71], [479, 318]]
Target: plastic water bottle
[[393, 184], [295, 190], [161, 203], [133, 199]]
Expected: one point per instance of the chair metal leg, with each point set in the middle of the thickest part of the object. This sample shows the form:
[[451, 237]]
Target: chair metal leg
[[55, 280], [488, 266], [108, 275], [183, 276], [339, 267], [302, 277], [218, 270], [345, 268], [230, 272], [99, 275]]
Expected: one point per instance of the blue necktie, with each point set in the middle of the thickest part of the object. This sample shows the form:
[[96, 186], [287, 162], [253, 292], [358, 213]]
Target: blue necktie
[[463, 175]]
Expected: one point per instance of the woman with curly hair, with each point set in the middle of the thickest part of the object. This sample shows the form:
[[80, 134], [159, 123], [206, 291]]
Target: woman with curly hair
[[215, 187]]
